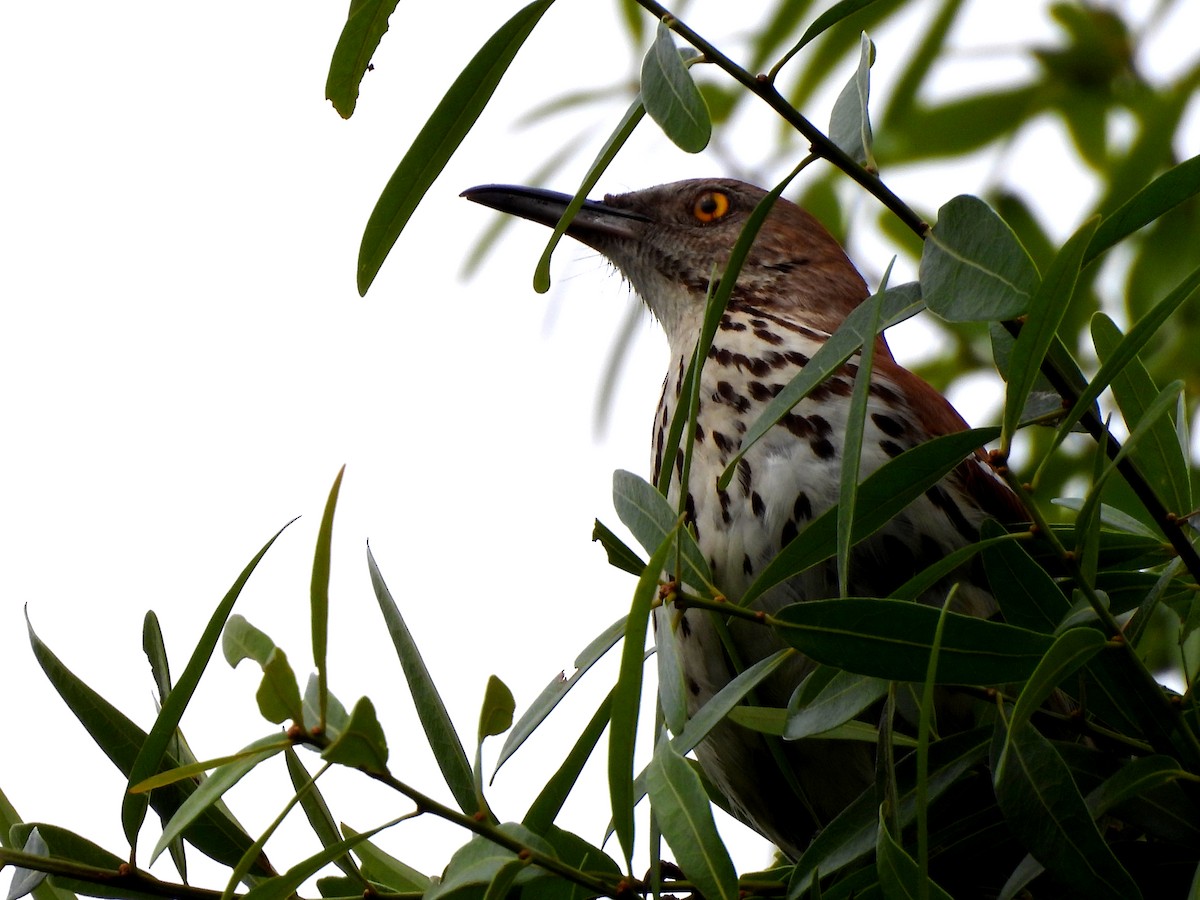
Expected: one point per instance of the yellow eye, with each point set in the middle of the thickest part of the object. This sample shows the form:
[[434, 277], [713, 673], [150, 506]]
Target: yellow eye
[[710, 206]]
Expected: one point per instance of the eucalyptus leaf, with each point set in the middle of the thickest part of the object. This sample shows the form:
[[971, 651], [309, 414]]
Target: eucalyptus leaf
[[671, 97]]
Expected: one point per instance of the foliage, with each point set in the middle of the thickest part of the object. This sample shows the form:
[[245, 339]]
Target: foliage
[[1084, 777]]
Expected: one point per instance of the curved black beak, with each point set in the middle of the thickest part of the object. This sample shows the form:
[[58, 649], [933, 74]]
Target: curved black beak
[[595, 221]]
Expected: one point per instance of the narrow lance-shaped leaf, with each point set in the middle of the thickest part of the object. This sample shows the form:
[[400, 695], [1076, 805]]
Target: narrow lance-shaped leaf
[[320, 819], [1161, 195], [364, 28], [627, 698], [973, 268], [892, 639], [671, 97], [435, 720], [647, 514], [899, 875], [133, 806], [616, 140], [1049, 304], [682, 812], [439, 138], [319, 594]]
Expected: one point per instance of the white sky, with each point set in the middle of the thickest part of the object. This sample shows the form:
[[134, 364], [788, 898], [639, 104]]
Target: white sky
[[186, 364]]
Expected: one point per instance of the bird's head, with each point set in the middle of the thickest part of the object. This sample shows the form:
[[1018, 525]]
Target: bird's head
[[671, 241]]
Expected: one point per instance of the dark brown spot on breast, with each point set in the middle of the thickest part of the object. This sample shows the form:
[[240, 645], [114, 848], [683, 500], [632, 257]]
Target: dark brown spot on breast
[[802, 509], [728, 323], [769, 336], [757, 505], [699, 433], [797, 425], [759, 391], [820, 425], [685, 627], [743, 469], [724, 444], [889, 426], [789, 533], [796, 358], [747, 566], [693, 686], [723, 497], [823, 448], [886, 394], [726, 394], [689, 506], [891, 448]]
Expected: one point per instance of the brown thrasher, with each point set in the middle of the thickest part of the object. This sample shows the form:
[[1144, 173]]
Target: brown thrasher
[[795, 288]]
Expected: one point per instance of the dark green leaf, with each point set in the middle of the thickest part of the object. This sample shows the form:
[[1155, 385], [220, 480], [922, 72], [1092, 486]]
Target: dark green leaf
[[829, 18], [214, 787], [671, 97], [1049, 303], [899, 875], [383, 868], [1159, 457], [549, 801], [319, 591], [1165, 192], [362, 743], [364, 28], [278, 694], [627, 697], [837, 701], [1028, 596], [478, 861], [435, 721], [850, 121], [578, 853], [336, 716], [927, 579], [25, 881], [682, 812], [156, 655], [616, 140], [1070, 650], [150, 754], [882, 494], [973, 268], [320, 819], [650, 517], [619, 555], [64, 844], [214, 833], [439, 138], [892, 639], [1044, 809]]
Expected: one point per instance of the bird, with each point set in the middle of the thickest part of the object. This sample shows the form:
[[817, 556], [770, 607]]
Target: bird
[[795, 288]]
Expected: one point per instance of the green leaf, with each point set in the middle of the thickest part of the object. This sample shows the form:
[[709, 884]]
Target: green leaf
[[553, 794], [1049, 304], [319, 593], [578, 853], [362, 744], [1164, 193], [215, 833], [384, 868], [439, 138], [925, 580], [25, 881], [364, 28], [833, 703], [1028, 596], [627, 697], [320, 819], [153, 749], [619, 555], [336, 716], [899, 875], [496, 716], [1070, 650], [214, 787], [852, 834], [283, 886], [1159, 457], [826, 20], [278, 694], [647, 514], [156, 655], [435, 721], [63, 844], [892, 639], [973, 268], [479, 860], [883, 494], [681, 810], [856, 416], [553, 693], [1044, 809], [850, 121], [671, 97], [898, 303], [616, 140]]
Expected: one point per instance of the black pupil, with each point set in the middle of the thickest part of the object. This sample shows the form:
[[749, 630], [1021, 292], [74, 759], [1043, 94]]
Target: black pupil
[[708, 204]]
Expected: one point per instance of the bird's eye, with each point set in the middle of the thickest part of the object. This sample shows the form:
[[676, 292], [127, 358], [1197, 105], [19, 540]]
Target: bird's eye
[[710, 206]]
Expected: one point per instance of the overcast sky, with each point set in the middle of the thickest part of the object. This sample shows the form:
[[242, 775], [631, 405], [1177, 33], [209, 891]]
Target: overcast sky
[[186, 364]]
